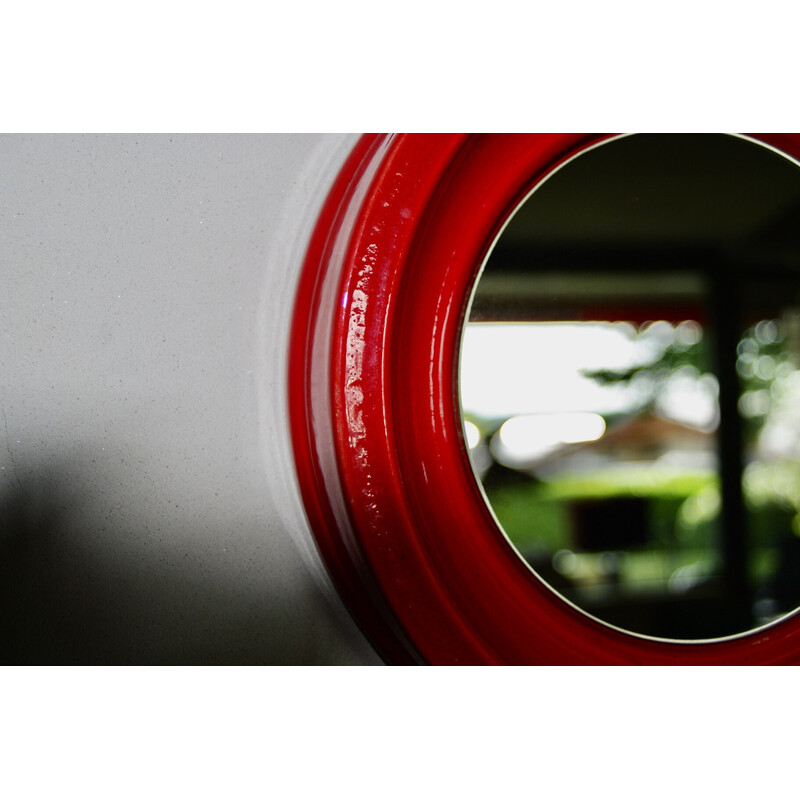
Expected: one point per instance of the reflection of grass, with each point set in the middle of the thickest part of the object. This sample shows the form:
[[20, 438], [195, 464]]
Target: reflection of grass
[[656, 566], [529, 518], [628, 482], [682, 519], [535, 514]]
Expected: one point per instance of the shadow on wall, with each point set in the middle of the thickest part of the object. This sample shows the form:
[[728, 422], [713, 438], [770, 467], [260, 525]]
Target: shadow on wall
[[73, 593]]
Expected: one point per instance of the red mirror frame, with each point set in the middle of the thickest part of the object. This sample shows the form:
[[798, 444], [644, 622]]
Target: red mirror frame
[[390, 495]]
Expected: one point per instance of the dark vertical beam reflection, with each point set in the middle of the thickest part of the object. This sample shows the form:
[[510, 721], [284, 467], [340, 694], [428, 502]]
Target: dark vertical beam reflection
[[726, 311]]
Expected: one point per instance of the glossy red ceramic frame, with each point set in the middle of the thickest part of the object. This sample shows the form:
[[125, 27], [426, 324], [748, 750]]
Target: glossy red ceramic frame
[[386, 481]]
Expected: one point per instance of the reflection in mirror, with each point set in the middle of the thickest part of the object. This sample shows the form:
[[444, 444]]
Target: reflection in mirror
[[630, 383]]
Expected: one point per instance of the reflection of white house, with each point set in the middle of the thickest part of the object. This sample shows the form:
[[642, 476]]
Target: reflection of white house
[[639, 441], [649, 438]]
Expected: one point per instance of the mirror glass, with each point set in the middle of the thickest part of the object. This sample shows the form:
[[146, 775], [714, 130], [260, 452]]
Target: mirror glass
[[630, 383]]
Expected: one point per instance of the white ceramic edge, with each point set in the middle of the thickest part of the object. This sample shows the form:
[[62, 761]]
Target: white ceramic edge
[[271, 352]]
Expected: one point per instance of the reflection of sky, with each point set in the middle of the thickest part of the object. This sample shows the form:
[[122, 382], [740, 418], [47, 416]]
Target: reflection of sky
[[524, 368]]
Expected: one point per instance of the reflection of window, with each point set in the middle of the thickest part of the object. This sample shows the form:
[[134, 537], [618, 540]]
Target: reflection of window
[[634, 385]]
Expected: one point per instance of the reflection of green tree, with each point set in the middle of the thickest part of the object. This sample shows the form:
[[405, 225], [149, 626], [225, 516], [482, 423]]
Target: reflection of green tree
[[676, 351], [769, 400], [765, 367]]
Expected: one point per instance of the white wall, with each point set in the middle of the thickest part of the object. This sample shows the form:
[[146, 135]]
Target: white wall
[[151, 513]]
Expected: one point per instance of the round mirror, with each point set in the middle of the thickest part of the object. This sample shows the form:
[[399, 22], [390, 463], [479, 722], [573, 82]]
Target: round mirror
[[630, 383]]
